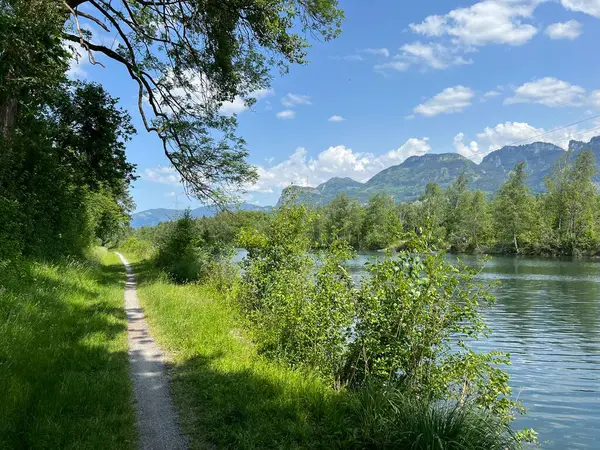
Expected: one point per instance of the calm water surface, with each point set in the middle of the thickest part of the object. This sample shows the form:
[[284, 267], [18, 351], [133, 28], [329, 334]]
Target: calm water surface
[[547, 316]]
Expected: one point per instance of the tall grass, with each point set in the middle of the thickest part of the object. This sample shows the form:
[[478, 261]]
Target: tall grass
[[231, 397], [63, 356]]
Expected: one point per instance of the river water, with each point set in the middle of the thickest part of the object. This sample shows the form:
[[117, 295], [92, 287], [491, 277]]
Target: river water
[[547, 316]]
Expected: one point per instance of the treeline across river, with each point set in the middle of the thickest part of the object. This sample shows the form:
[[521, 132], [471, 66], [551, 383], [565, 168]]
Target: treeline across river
[[565, 220]]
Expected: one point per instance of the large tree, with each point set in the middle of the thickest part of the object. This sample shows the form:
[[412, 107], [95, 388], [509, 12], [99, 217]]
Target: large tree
[[188, 57]]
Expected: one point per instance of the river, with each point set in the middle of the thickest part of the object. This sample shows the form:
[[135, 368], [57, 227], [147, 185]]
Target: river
[[547, 316]]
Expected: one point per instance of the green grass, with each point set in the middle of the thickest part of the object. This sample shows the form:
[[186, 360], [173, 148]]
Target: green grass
[[228, 396], [63, 356]]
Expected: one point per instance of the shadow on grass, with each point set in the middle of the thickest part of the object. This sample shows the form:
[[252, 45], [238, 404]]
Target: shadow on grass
[[63, 360], [243, 410]]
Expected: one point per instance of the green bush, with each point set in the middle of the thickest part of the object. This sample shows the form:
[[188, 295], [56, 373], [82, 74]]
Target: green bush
[[140, 248], [407, 328]]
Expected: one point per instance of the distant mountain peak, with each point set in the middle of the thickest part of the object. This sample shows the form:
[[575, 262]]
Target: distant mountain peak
[[407, 181]]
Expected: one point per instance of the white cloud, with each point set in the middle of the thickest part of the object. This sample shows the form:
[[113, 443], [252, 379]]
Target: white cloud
[[377, 51], [171, 194], [291, 100], [412, 147], [548, 91], [336, 118], [470, 151], [335, 161], [399, 66], [490, 94], [165, 175], [564, 30], [433, 55], [450, 100], [486, 22], [519, 133], [286, 114], [238, 105], [591, 7]]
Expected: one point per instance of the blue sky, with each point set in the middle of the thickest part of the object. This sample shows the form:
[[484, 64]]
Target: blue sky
[[404, 78]]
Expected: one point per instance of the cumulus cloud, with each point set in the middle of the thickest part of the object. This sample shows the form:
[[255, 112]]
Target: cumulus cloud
[[239, 105], [291, 100], [164, 175], [486, 22], [591, 7], [335, 161], [433, 55], [336, 118], [564, 30], [519, 133], [470, 151], [548, 91], [450, 100], [286, 114]]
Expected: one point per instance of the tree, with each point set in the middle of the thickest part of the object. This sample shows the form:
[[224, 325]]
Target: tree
[[342, 220], [381, 225], [478, 223], [188, 57], [434, 203], [513, 209], [457, 213], [571, 203]]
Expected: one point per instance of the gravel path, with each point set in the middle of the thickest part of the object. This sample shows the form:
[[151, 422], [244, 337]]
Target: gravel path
[[156, 416]]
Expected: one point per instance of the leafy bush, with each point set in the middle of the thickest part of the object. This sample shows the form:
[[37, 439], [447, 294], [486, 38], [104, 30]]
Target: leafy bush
[[407, 328], [138, 247], [301, 305], [180, 254]]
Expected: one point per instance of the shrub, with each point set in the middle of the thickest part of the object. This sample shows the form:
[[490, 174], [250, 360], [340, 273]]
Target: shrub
[[300, 305], [408, 327], [180, 254], [138, 247]]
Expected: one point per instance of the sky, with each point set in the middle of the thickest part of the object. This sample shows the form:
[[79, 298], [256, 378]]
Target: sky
[[403, 79]]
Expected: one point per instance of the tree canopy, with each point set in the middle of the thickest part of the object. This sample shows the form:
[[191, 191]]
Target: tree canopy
[[188, 57]]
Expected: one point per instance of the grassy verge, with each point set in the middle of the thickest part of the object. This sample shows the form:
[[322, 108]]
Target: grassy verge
[[63, 356], [228, 396]]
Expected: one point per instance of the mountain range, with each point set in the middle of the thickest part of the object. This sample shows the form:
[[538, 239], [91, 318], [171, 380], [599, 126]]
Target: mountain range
[[151, 217], [407, 181]]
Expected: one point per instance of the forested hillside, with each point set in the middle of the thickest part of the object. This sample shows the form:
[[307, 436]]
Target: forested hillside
[[407, 181]]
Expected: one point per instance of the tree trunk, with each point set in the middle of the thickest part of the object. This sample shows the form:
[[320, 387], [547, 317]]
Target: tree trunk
[[9, 108], [515, 241]]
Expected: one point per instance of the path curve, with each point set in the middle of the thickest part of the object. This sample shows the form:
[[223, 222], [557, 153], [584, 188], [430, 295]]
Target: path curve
[[156, 416]]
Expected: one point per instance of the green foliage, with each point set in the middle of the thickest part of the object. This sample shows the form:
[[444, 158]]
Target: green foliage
[[571, 205], [409, 325], [231, 397], [388, 418], [417, 314], [514, 210], [66, 178], [190, 57], [381, 225], [179, 254]]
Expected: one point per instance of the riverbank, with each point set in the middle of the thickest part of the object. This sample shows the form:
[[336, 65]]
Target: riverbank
[[63, 355], [229, 396]]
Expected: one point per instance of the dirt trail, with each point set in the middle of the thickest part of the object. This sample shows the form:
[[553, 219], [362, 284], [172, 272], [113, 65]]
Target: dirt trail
[[156, 416]]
